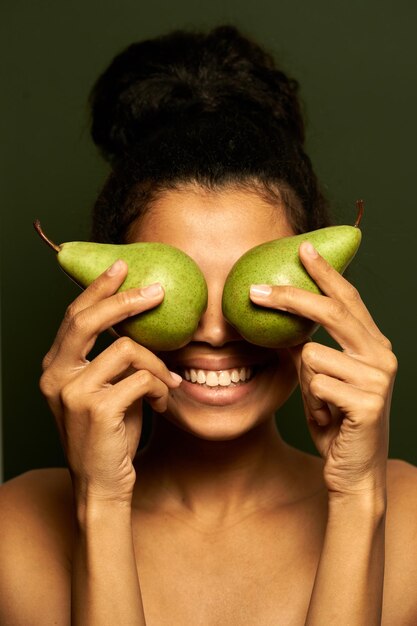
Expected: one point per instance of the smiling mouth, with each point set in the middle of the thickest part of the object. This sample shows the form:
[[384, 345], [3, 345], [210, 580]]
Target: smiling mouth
[[219, 378]]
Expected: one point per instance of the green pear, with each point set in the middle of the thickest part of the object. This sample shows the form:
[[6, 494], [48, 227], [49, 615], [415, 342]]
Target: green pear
[[277, 263], [171, 324]]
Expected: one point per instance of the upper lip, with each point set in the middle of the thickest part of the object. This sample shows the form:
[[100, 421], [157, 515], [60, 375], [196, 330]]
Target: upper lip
[[199, 357]]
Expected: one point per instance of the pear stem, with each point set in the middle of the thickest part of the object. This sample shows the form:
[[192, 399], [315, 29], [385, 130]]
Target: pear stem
[[360, 207], [42, 235]]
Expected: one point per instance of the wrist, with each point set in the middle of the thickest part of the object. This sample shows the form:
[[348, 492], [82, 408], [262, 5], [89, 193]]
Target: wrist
[[92, 510], [92, 500], [368, 504]]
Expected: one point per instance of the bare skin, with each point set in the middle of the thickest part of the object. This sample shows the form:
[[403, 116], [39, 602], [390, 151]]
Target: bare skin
[[218, 520]]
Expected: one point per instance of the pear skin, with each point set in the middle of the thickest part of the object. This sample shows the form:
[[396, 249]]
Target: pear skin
[[277, 263], [171, 324]]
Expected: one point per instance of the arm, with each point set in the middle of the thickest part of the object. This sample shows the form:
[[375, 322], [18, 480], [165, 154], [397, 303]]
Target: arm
[[98, 410], [347, 397], [350, 576], [105, 584]]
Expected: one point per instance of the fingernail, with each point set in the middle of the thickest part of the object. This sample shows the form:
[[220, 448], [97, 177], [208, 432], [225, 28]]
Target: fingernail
[[176, 377], [116, 268], [151, 290], [261, 290], [310, 250]]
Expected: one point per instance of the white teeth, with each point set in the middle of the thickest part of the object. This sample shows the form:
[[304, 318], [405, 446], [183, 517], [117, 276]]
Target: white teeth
[[223, 378], [235, 376], [211, 379]]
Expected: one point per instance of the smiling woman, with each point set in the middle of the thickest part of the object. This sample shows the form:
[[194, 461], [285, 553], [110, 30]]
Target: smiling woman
[[216, 520], [215, 228]]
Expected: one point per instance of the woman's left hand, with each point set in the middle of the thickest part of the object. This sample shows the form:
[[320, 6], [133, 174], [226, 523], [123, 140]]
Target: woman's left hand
[[347, 393]]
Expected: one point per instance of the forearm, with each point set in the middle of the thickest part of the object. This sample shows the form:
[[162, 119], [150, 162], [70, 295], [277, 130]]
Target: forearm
[[349, 580], [105, 585]]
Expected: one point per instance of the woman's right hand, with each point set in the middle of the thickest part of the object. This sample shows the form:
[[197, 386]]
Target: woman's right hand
[[98, 405]]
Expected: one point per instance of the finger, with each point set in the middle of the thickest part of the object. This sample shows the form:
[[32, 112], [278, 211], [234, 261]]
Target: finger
[[319, 359], [332, 314], [333, 284], [85, 326], [141, 384], [357, 405], [103, 287], [317, 410], [119, 357]]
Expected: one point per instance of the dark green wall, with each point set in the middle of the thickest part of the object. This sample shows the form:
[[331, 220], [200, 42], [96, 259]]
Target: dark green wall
[[356, 62]]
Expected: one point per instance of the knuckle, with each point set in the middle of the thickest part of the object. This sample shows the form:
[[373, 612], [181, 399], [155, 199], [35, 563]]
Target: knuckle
[[125, 347], [375, 404], [382, 381], [309, 353], [78, 323], [145, 378], [290, 292], [126, 299], [391, 365], [337, 311], [316, 384], [46, 385], [352, 293], [70, 396], [46, 361], [386, 343], [70, 312]]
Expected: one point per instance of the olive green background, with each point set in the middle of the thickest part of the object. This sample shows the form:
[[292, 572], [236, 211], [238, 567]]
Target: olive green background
[[356, 63]]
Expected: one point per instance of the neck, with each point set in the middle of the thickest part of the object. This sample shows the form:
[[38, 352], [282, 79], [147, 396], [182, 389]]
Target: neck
[[216, 479]]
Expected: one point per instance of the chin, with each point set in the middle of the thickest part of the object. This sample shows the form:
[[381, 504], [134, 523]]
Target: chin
[[221, 420], [216, 425]]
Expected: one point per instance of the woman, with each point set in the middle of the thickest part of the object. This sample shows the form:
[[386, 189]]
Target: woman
[[216, 520]]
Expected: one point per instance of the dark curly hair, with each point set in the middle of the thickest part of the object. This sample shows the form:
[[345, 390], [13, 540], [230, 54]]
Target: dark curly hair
[[206, 108]]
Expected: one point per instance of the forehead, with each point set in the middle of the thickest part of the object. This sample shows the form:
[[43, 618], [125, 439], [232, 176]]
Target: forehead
[[202, 222]]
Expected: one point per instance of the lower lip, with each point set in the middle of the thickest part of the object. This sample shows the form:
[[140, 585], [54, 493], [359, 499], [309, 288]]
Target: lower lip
[[217, 396]]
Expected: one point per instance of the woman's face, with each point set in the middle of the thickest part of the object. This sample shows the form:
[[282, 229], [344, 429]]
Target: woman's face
[[215, 229]]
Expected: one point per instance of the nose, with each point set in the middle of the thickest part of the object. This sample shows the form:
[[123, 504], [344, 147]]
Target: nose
[[213, 328]]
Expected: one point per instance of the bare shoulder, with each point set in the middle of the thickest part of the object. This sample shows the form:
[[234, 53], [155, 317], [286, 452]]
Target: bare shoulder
[[402, 502], [42, 480], [401, 544], [401, 520], [35, 547], [402, 484], [40, 499]]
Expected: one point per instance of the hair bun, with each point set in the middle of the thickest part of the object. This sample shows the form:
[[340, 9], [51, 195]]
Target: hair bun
[[181, 76]]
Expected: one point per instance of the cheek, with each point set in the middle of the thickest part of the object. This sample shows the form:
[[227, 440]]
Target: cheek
[[278, 382]]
